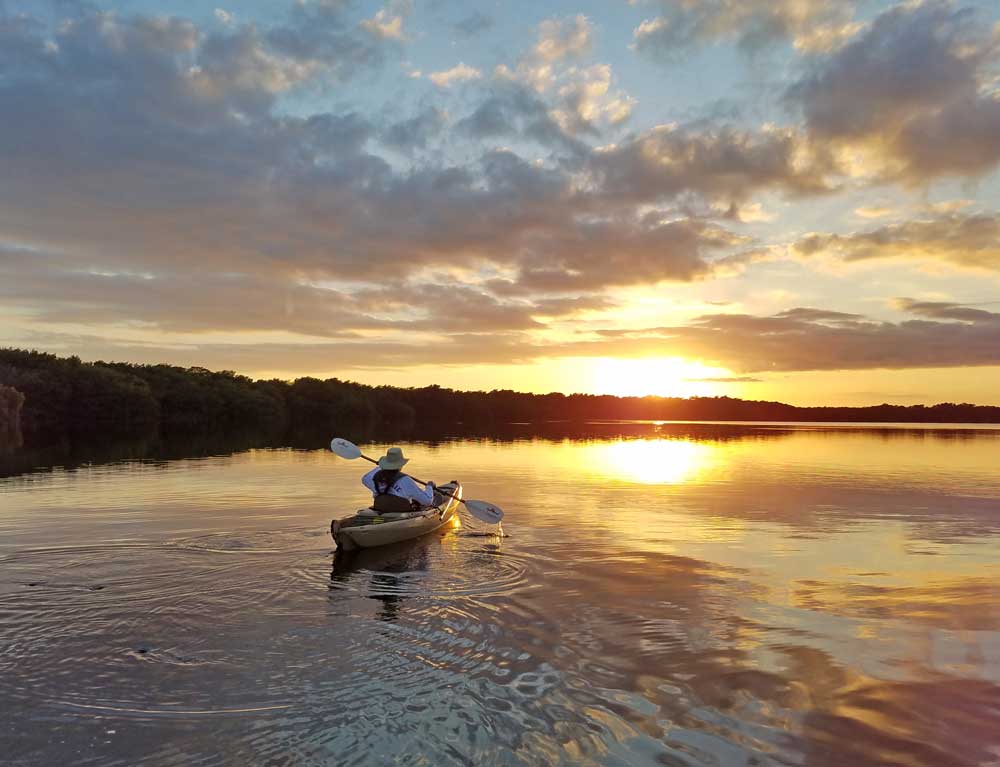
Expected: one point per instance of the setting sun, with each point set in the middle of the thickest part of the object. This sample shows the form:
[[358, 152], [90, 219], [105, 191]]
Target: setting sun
[[660, 376]]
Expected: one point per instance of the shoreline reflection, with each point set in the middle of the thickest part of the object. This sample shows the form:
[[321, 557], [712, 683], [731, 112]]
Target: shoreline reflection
[[766, 595]]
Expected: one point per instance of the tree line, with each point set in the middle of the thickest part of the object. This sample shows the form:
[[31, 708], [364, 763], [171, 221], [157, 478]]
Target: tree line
[[11, 402], [53, 398]]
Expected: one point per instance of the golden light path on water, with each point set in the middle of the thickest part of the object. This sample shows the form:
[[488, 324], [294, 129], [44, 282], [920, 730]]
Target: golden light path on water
[[650, 461], [670, 593]]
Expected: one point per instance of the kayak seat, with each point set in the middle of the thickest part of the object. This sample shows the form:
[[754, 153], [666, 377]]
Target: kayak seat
[[393, 504]]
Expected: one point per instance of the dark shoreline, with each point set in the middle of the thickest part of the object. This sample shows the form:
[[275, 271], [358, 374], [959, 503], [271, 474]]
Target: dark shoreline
[[67, 400]]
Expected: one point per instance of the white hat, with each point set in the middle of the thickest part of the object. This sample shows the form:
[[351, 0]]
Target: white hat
[[393, 459]]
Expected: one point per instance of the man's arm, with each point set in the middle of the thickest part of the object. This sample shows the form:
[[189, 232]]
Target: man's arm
[[413, 491], [368, 480]]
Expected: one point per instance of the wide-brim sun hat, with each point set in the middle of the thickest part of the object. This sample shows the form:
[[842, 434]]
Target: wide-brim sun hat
[[393, 459]]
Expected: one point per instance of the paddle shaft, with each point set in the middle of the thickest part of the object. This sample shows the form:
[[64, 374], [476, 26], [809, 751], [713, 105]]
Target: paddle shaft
[[418, 481]]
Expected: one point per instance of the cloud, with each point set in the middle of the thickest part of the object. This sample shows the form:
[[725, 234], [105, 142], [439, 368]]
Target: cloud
[[825, 316], [415, 132], [562, 38], [475, 23], [966, 240], [910, 60], [646, 33], [912, 94], [175, 134], [171, 132], [224, 16], [722, 163], [752, 212], [57, 290], [943, 310], [752, 24], [609, 252], [581, 99], [744, 343], [962, 139], [320, 31], [460, 73], [826, 38], [874, 211], [512, 109], [586, 100], [809, 339], [242, 67], [385, 25], [292, 358]]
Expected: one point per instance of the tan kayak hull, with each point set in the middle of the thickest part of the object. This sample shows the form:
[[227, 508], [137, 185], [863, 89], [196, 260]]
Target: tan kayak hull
[[362, 531]]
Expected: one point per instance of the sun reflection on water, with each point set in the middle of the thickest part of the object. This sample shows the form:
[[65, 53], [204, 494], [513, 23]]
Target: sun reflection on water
[[652, 461]]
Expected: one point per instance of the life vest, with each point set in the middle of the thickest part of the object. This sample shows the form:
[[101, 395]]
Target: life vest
[[384, 501]]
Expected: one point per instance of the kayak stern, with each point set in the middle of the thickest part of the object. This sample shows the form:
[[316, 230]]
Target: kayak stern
[[368, 529]]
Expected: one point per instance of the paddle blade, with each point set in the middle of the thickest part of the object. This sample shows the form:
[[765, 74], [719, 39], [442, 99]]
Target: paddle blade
[[485, 512], [345, 449]]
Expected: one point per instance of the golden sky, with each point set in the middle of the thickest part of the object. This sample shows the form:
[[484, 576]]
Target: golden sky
[[771, 200]]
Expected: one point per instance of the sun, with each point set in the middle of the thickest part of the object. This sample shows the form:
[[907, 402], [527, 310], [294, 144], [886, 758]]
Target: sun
[[661, 376]]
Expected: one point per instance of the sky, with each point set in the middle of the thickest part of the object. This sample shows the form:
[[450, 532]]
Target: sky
[[769, 199]]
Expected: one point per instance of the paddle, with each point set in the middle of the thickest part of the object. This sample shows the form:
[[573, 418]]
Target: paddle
[[481, 510]]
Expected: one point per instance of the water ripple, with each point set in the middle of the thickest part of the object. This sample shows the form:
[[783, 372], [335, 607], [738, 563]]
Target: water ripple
[[733, 619]]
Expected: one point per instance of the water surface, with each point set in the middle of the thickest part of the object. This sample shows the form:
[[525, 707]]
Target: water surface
[[726, 595]]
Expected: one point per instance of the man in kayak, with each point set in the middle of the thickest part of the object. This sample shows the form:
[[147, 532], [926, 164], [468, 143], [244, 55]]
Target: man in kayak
[[394, 491]]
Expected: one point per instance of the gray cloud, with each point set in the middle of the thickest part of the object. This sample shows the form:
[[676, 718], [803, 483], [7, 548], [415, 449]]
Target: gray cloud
[[802, 339], [473, 24], [415, 132], [719, 163], [818, 315], [513, 110], [968, 240], [752, 24], [743, 343], [908, 61], [944, 310], [911, 91], [621, 252], [59, 291], [581, 99], [962, 139], [319, 31], [293, 358], [173, 134]]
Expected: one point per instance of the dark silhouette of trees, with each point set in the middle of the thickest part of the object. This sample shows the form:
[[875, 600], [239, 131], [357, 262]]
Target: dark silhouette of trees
[[66, 398], [11, 401], [200, 400]]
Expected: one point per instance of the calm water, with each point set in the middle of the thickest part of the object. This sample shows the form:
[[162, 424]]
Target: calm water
[[742, 596]]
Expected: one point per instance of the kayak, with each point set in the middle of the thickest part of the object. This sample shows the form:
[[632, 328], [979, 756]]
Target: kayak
[[369, 528]]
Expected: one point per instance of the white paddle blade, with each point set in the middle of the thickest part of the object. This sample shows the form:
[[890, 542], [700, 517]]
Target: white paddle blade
[[485, 512], [345, 449]]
